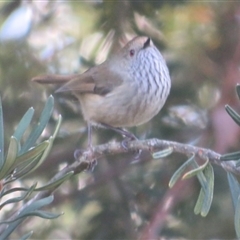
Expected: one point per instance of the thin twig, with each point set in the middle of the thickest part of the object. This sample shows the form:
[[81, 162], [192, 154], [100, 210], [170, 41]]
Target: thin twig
[[152, 145]]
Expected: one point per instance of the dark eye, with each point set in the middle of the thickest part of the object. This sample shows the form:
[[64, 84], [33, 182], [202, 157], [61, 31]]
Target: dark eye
[[132, 52]]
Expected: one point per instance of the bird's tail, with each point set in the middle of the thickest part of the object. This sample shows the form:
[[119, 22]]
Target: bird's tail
[[53, 78]]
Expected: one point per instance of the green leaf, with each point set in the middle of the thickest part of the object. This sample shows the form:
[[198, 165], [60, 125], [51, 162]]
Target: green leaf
[[42, 214], [234, 188], [10, 159], [195, 171], [26, 236], [234, 115], [23, 124], [1, 137], [24, 169], [37, 131], [199, 203], [33, 206], [49, 147], [163, 153], [18, 199], [205, 197], [201, 178], [230, 156], [59, 121], [11, 190], [209, 174], [58, 182], [180, 171], [238, 90], [237, 218], [33, 164], [237, 163], [32, 153]]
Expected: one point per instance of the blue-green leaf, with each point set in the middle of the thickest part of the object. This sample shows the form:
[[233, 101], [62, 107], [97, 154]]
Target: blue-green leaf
[[195, 171], [10, 159], [230, 156], [234, 188], [238, 90], [58, 182], [163, 153], [32, 153], [27, 210], [209, 174], [37, 131], [18, 199], [237, 217], [234, 115], [23, 124], [1, 137], [11, 190], [180, 171], [199, 203], [26, 236], [201, 177]]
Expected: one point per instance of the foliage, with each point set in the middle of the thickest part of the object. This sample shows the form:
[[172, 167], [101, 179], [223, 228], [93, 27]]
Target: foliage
[[119, 200], [22, 158]]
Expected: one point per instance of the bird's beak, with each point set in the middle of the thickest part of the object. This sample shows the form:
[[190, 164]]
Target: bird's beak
[[147, 43]]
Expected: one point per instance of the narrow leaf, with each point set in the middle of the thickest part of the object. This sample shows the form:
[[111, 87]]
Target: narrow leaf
[[29, 208], [58, 182], [180, 171], [238, 90], [42, 214], [163, 153], [234, 188], [237, 218], [199, 203], [234, 115], [230, 156], [32, 153], [18, 189], [1, 136], [26, 236], [18, 199], [24, 169], [59, 121], [37, 131], [195, 171], [10, 159], [209, 174], [23, 124], [237, 163], [37, 205], [37, 213], [49, 147], [201, 178]]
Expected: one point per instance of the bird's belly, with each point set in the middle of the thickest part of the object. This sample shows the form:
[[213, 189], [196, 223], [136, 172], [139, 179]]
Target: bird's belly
[[125, 110]]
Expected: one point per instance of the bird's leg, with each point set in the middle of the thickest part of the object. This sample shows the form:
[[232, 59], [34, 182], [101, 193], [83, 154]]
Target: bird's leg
[[128, 136], [89, 127], [123, 132], [79, 152]]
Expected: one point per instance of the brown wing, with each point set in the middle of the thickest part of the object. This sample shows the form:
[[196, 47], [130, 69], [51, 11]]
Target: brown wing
[[97, 80], [53, 78]]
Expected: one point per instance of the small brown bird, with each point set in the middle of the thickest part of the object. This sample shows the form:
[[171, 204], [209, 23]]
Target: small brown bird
[[126, 90]]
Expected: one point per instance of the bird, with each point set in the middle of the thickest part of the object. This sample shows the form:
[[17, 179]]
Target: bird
[[126, 90]]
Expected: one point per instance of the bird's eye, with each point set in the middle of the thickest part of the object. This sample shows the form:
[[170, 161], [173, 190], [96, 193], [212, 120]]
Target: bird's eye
[[132, 52]]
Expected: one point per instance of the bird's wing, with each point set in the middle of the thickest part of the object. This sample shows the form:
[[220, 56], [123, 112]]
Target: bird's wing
[[97, 80], [54, 78]]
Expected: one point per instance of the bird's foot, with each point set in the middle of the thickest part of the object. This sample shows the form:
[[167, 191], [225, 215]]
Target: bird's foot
[[89, 154]]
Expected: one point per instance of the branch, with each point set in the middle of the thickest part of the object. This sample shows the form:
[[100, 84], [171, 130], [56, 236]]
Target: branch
[[87, 157], [85, 160]]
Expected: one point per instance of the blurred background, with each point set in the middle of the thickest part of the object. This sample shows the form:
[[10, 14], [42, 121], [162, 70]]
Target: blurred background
[[200, 41]]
